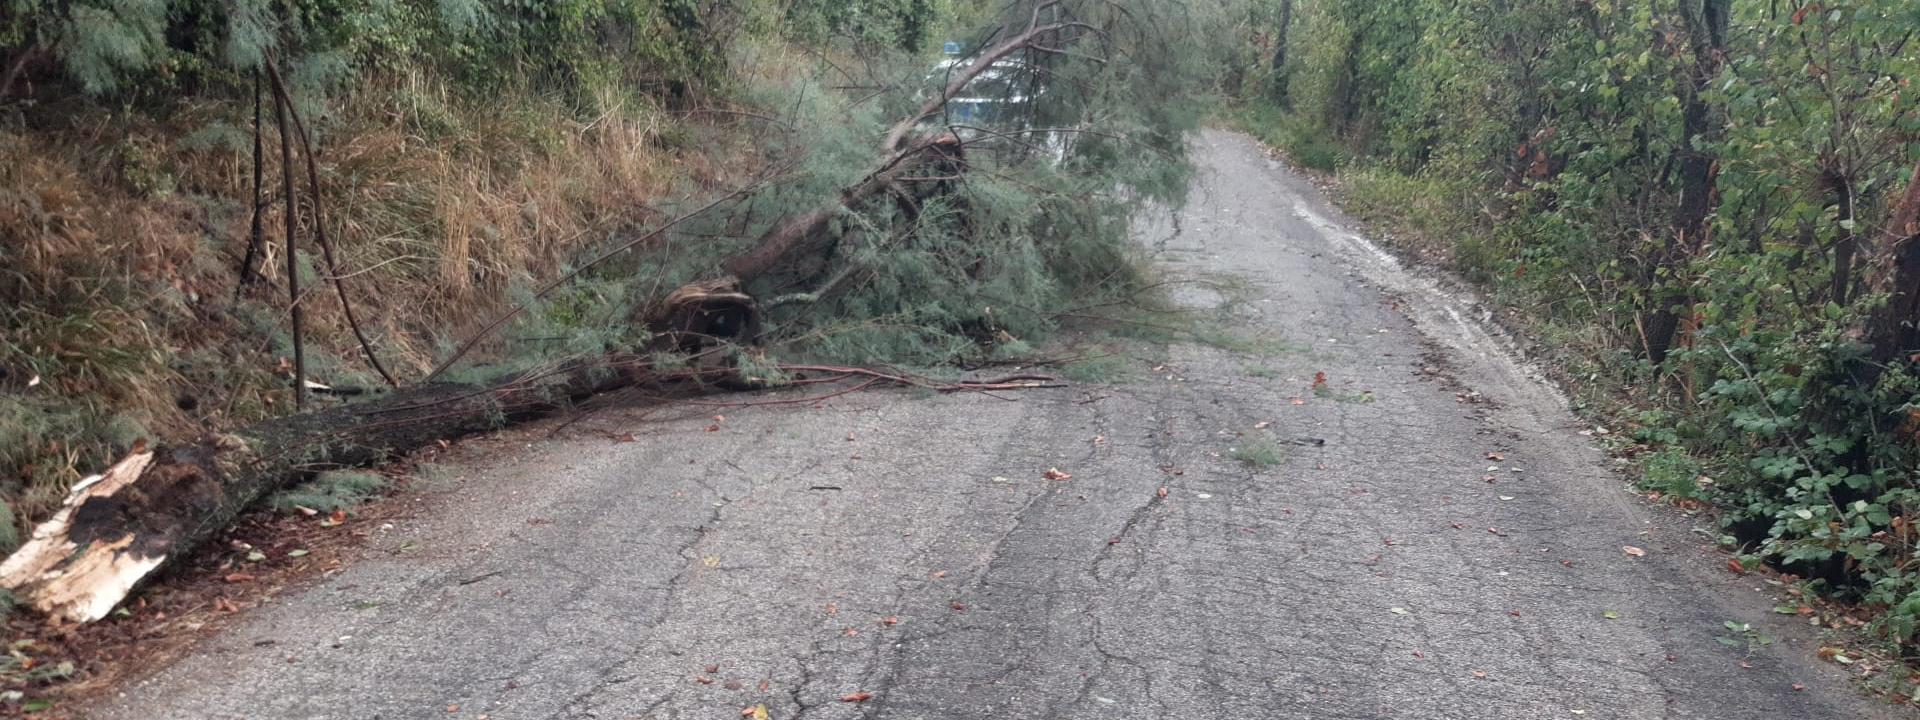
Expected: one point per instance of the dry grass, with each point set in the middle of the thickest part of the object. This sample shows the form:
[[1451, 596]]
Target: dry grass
[[121, 236]]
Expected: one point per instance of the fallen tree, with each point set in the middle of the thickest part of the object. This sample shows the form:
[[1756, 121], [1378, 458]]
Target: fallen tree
[[119, 527], [157, 503]]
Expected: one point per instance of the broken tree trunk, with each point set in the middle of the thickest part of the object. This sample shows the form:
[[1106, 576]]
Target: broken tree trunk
[[775, 247], [902, 153], [119, 527]]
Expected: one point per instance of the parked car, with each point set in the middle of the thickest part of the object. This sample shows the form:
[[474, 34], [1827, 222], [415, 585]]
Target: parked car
[[1002, 100]]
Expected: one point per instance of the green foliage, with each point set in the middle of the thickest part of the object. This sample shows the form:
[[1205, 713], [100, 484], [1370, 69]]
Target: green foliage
[[993, 256], [1101, 369], [1673, 473], [902, 24], [1261, 453], [109, 46], [1303, 143], [1544, 146], [330, 491]]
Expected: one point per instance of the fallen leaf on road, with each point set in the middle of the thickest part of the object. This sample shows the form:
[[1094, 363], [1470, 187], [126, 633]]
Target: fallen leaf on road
[[1480, 673], [1458, 526], [1296, 401], [850, 632], [1320, 381], [1515, 613], [957, 606], [296, 553], [1056, 474], [731, 685], [833, 608], [711, 669], [623, 438], [1419, 654], [256, 556], [1634, 551], [453, 708], [1797, 687], [1397, 611], [1609, 614], [1733, 564], [1162, 492], [236, 578], [1496, 457], [757, 712], [1506, 497], [939, 574], [703, 680], [890, 620], [855, 697], [1263, 424]]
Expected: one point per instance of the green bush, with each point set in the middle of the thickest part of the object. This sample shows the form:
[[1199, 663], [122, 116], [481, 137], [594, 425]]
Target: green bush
[[1548, 147]]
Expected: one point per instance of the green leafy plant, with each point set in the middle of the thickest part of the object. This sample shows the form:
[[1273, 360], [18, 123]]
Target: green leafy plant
[[1259, 453]]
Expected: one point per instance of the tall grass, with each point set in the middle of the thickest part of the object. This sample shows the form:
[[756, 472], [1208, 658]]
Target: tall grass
[[118, 273]]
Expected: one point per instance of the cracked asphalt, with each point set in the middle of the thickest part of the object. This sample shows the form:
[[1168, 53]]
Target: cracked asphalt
[[907, 545]]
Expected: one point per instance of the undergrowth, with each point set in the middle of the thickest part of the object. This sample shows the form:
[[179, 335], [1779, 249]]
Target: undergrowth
[[1261, 453], [1741, 423], [329, 491]]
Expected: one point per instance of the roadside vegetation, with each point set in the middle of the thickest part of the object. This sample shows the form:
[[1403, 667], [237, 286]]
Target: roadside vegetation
[[206, 204], [1705, 210], [467, 153]]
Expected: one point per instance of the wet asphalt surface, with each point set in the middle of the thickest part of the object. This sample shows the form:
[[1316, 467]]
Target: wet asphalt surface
[[908, 546]]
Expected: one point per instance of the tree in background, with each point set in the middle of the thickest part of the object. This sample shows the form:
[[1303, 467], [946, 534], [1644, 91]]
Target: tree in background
[[1709, 203]]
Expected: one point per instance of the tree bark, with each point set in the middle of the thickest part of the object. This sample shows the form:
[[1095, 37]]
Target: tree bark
[[1707, 26], [156, 504], [774, 247], [120, 527], [1890, 329]]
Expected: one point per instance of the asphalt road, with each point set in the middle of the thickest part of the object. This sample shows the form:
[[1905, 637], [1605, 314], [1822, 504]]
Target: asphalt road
[[908, 546]]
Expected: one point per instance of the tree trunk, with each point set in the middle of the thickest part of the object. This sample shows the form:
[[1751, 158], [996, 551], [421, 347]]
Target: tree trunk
[[1707, 25], [156, 504], [1845, 248], [1277, 67], [1890, 329]]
